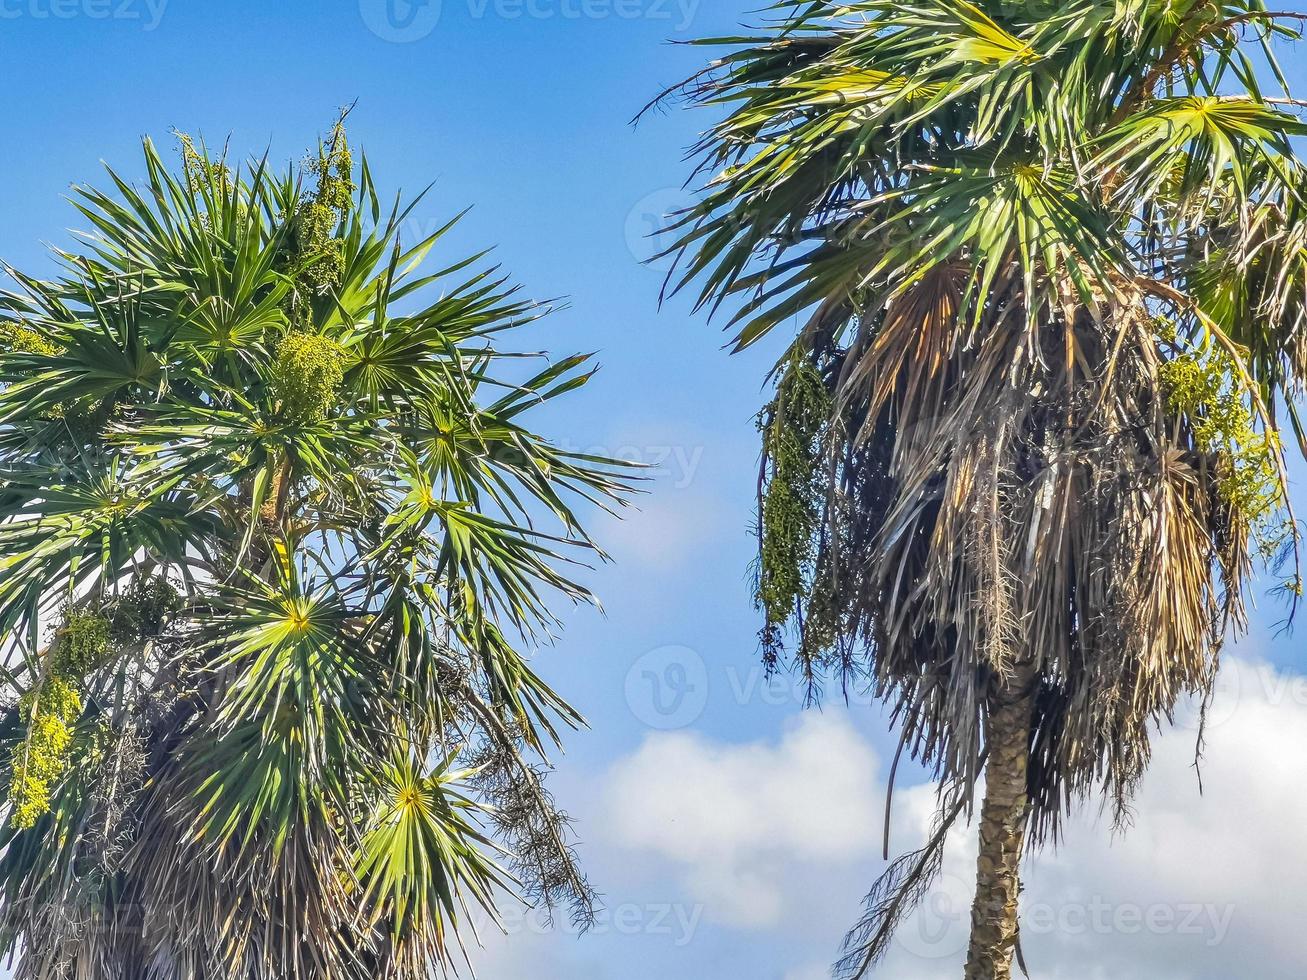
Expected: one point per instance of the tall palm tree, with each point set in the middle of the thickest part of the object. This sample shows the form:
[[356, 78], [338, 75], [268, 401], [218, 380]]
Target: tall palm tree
[[1048, 266], [271, 522]]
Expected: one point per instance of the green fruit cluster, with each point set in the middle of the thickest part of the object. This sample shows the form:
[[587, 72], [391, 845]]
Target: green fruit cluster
[[319, 264], [794, 428]]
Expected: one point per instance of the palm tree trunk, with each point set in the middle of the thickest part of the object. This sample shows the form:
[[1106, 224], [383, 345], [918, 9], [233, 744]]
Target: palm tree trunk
[[1003, 820]]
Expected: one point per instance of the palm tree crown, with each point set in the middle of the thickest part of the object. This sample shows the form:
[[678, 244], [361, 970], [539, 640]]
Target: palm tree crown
[[271, 522], [1026, 446]]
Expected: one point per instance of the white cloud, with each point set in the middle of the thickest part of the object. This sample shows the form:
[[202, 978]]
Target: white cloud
[[1220, 878], [736, 819], [1203, 886]]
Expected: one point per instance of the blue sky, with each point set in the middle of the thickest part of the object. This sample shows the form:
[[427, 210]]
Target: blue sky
[[731, 833]]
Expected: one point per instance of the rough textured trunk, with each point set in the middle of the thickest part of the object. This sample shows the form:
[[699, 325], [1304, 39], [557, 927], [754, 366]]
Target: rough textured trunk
[[1002, 831]]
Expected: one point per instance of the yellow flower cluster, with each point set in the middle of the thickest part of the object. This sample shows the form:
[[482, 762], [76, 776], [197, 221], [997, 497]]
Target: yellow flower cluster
[[307, 376], [42, 757], [50, 710], [14, 337], [1201, 389]]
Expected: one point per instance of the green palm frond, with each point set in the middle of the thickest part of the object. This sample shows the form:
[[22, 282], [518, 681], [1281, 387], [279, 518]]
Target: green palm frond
[[424, 857], [246, 392]]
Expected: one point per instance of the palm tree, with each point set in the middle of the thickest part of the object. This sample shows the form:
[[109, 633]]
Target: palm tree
[[1048, 266], [271, 523]]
